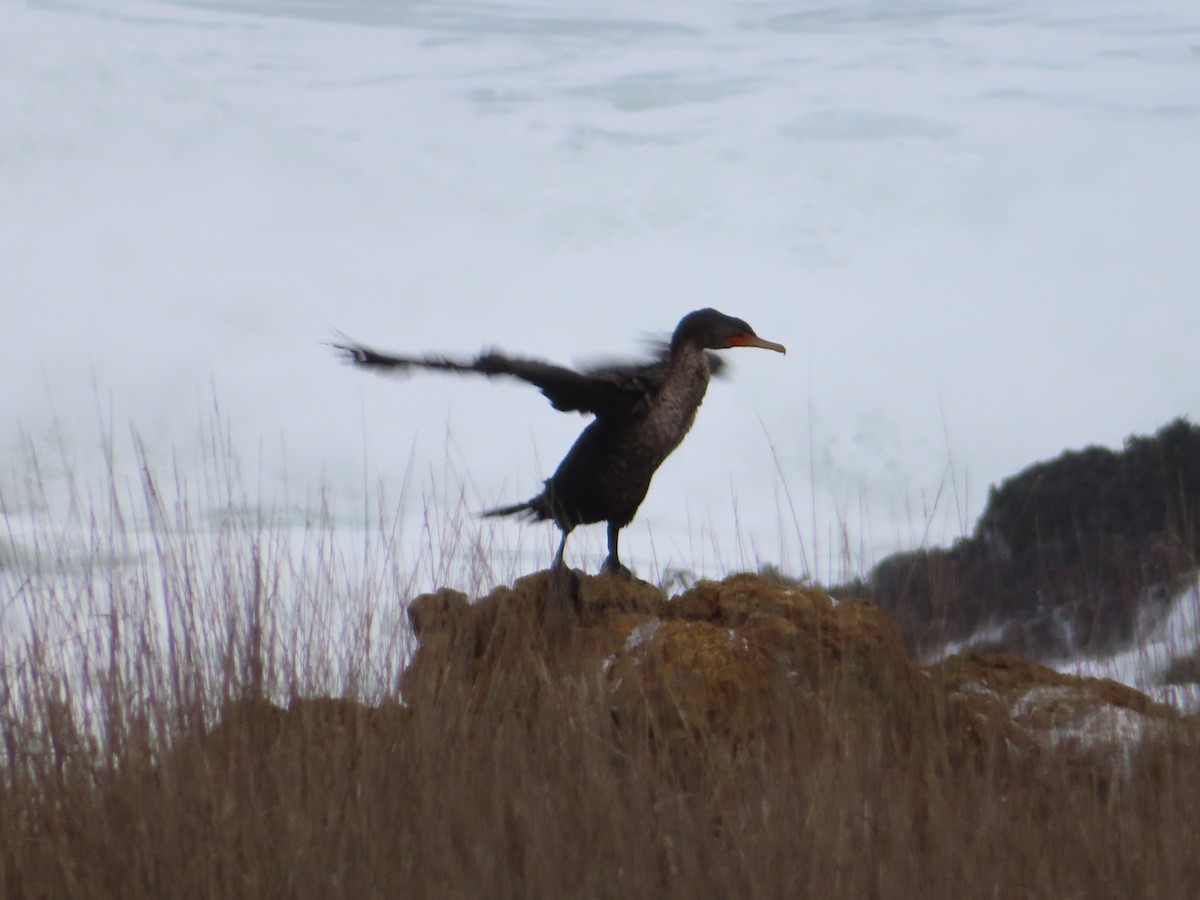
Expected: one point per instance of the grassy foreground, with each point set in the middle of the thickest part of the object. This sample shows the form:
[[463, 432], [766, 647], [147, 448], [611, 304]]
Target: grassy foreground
[[143, 756]]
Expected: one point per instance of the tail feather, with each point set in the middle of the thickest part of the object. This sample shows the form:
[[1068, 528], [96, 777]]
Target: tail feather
[[526, 508]]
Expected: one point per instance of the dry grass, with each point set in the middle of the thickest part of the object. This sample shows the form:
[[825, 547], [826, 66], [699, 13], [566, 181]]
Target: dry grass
[[142, 758]]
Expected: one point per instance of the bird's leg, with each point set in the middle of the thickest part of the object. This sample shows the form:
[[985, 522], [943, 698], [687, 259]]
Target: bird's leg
[[613, 563], [567, 581], [558, 557]]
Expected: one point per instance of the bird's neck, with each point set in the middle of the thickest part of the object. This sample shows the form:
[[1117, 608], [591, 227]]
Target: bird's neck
[[688, 363], [685, 349]]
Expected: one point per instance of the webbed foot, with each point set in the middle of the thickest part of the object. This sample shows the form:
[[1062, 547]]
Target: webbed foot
[[567, 584], [613, 566]]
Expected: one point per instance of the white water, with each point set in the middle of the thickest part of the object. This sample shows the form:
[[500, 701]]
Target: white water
[[1143, 666], [974, 226]]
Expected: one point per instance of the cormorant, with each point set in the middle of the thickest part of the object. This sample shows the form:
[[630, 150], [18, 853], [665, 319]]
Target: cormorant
[[642, 412]]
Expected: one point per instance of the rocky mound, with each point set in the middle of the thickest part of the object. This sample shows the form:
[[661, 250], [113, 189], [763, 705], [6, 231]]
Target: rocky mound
[[716, 662], [731, 666], [1074, 554]]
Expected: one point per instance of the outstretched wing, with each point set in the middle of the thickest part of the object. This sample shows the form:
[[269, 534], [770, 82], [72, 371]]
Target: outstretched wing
[[612, 390]]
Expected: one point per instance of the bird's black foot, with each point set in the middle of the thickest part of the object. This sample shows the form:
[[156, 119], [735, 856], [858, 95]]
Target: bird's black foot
[[614, 566], [567, 584]]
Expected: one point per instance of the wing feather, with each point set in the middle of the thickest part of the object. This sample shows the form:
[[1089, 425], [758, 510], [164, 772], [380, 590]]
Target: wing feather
[[611, 390]]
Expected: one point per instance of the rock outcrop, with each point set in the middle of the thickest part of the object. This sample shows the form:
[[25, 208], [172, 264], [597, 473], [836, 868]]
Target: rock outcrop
[[731, 663]]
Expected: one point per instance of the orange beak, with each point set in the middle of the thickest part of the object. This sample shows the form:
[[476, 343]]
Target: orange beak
[[750, 339]]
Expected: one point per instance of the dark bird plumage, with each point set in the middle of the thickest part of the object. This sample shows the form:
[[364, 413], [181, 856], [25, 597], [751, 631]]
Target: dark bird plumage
[[642, 412]]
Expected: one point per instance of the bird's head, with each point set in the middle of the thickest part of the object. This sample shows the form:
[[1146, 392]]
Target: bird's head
[[712, 330]]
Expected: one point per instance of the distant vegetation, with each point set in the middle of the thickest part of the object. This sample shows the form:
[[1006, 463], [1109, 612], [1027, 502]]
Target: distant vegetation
[[1074, 554]]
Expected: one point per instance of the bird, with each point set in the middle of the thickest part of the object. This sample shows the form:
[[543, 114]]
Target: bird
[[641, 413]]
